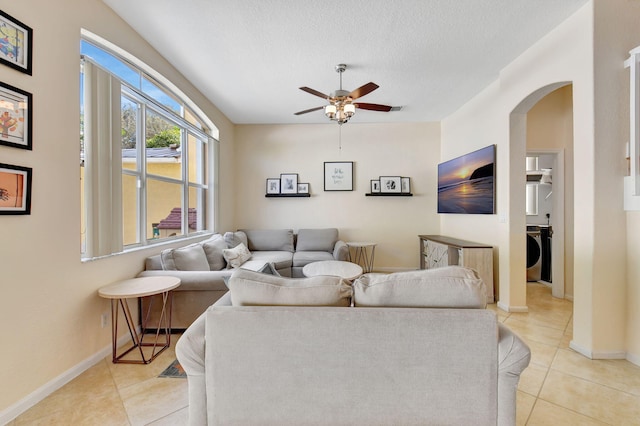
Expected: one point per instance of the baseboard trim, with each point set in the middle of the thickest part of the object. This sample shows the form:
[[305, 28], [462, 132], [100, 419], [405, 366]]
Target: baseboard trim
[[507, 308], [598, 354], [389, 270], [48, 388], [634, 359]]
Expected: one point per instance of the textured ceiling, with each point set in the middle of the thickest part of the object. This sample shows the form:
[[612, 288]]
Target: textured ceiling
[[428, 56]]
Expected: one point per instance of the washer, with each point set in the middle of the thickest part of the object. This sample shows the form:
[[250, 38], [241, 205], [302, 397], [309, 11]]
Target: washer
[[534, 251]]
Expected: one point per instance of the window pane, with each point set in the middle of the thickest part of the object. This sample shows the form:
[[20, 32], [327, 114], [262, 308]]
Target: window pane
[[163, 208], [197, 160], [129, 210], [129, 115], [163, 147], [83, 212], [196, 209], [160, 95], [111, 63], [188, 115]]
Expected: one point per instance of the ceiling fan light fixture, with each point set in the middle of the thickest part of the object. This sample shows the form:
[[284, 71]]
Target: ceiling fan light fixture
[[349, 109], [330, 111]]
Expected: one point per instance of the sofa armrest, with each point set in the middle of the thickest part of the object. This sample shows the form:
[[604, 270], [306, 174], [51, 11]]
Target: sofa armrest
[[513, 357], [341, 251]]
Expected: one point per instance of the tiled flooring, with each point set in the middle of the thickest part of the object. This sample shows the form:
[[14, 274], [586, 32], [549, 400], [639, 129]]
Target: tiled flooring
[[560, 387]]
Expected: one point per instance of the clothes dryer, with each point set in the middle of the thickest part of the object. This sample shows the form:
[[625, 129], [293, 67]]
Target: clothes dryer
[[534, 252]]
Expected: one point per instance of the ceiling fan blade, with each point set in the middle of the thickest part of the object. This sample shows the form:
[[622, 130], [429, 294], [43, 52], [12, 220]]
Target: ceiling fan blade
[[314, 92], [363, 90], [308, 110], [373, 107]]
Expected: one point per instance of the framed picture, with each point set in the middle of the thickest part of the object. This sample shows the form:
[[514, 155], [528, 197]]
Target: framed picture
[[289, 183], [390, 184], [15, 117], [405, 185], [303, 188], [16, 43], [15, 189], [375, 185], [273, 186], [338, 176]]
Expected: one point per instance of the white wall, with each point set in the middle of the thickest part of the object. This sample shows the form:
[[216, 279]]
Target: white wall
[[394, 223], [49, 306]]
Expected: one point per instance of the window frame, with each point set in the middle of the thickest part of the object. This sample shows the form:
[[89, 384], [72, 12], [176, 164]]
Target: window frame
[[206, 156]]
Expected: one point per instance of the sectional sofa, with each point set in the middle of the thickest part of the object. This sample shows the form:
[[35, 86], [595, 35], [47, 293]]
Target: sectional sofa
[[409, 348], [203, 267]]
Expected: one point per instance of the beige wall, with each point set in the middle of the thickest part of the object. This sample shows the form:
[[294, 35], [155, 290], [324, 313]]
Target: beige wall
[[393, 223], [550, 128], [567, 54], [50, 305]]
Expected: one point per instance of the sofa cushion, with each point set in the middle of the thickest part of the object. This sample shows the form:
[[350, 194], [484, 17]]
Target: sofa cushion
[[302, 258], [280, 259], [317, 239], [447, 287], [250, 288], [188, 258], [213, 248], [234, 238], [269, 239], [236, 256]]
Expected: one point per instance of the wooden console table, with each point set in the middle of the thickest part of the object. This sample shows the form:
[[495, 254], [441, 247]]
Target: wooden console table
[[438, 250]]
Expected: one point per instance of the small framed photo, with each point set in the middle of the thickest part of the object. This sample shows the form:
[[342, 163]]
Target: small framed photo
[[338, 176], [390, 184], [17, 44], [303, 188], [289, 183], [273, 185], [375, 186], [405, 186], [15, 189], [15, 117]]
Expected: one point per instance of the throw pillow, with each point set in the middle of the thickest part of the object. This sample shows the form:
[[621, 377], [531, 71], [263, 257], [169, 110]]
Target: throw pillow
[[448, 287], [236, 256], [213, 248], [234, 238], [250, 288], [188, 258], [268, 269]]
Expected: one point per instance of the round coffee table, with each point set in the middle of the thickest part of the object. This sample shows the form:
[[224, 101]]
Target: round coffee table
[[119, 292], [338, 268]]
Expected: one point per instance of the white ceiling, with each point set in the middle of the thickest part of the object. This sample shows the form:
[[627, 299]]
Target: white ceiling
[[428, 56]]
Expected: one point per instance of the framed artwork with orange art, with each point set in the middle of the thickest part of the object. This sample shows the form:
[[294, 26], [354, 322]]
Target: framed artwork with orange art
[[15, 189], [15, 117]]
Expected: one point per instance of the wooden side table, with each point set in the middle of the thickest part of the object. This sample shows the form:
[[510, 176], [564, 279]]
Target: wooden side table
[[363, 254], [119, 292]]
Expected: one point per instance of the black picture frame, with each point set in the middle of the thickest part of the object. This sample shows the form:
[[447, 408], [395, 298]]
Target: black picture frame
[[375, 186], [16, 117], [273, 186], [303, 188], [405, 185], [288, 183], [338, 176], [390, 184], [18, 49], [15, 189]]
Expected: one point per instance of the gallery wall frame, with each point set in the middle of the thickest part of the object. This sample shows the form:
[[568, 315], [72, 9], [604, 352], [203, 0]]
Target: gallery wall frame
[[390, 184], [273, 185], [16, 112], [288, 183], [15, 189], [16, 40], [338, 176]]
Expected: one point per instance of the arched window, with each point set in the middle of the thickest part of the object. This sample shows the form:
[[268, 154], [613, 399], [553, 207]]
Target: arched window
[[145, 154]]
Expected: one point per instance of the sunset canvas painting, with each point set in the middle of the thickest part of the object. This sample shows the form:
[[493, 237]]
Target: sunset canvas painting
[[466, 183]]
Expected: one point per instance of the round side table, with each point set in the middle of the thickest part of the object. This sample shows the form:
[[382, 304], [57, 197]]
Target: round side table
[[363, 254], [132, 288]]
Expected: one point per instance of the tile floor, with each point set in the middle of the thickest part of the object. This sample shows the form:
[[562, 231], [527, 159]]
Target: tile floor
[[560, 387]]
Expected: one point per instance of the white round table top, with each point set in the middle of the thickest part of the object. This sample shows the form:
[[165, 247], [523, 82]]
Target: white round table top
[[360, 244], [139, 287], [346, 270]]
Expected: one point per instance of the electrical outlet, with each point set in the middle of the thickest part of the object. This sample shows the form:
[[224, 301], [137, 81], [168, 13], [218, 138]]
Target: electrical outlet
[[103, 319]]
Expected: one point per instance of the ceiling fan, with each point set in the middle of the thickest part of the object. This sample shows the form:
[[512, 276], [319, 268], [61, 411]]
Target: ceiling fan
[[341, 105]]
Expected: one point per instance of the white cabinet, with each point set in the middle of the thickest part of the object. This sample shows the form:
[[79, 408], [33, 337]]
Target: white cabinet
[[438, 250]]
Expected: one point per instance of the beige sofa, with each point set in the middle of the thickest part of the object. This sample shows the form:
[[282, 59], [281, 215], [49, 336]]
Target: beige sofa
[[203, 267], [416, 348]]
